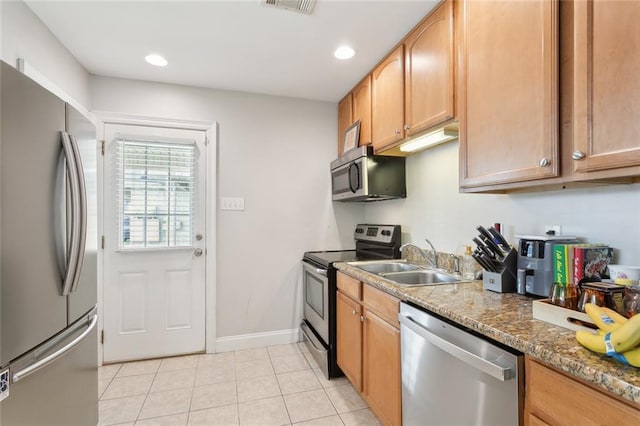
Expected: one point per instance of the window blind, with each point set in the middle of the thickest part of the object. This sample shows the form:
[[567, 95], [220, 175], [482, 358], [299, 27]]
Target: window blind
[[156, 194]]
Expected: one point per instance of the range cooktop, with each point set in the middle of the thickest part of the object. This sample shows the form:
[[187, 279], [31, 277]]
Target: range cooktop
[[326, 258]]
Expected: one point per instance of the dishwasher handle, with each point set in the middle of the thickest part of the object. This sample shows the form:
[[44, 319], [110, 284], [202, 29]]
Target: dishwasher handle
[[476, 361]]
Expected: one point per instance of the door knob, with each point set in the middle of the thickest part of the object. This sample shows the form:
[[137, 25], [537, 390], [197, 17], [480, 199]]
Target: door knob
[[198, 252], [544, 162]]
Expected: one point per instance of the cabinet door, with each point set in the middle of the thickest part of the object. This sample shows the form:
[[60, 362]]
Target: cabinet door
[[382, 380], [508, 91], [606, 85], [429, 72], [388, 100], [362, 109], [349, 339], [345, 119]]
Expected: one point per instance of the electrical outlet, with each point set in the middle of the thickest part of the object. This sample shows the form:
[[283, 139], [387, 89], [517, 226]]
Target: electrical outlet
[[227, 203], [553, 230]]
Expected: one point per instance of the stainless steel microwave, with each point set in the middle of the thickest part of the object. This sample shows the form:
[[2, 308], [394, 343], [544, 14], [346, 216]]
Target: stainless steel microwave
[[358, 175]]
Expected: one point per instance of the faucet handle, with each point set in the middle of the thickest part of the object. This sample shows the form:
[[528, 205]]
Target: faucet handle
[[456, 263]]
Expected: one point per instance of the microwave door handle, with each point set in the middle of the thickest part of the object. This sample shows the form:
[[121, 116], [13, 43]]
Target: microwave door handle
[[351, 177]]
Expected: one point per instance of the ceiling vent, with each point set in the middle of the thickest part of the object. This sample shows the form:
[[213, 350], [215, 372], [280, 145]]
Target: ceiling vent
[[302, 6]]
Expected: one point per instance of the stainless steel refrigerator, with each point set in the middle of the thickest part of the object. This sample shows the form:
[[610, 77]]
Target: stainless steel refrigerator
[[48, 247]]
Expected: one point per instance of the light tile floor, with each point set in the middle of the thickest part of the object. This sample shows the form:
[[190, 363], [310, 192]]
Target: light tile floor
[[276, 385]]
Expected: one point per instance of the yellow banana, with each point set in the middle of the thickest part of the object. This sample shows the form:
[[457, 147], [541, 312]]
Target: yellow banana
[[591, 341], [595, 342], [615, 316], [602, 318], [632, 357], [621, 339]]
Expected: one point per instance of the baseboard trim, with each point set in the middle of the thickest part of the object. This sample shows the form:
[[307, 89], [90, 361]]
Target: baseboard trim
[[257, 340]]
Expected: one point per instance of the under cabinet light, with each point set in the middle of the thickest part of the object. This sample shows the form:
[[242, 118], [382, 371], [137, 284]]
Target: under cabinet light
[[431, 139]]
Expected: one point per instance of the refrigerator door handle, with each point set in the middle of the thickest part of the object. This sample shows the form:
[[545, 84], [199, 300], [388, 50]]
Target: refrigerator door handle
[[73, 249], [82, 210], [91, 321]]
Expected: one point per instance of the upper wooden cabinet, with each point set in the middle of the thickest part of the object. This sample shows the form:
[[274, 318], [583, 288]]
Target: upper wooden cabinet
[[606, 87], [345, 116], [508, 91], [388, 100], [429, 76], [411, 90], [362, 109]]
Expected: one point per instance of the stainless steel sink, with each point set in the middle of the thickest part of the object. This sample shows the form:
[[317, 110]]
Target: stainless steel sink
[[385, 266], [422, 277]]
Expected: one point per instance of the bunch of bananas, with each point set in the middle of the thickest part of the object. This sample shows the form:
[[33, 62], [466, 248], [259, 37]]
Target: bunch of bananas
[[617, 336]]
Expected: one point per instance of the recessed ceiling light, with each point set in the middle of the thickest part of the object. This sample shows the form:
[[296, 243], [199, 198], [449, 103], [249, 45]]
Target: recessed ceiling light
[[344, 52], [156, 60]]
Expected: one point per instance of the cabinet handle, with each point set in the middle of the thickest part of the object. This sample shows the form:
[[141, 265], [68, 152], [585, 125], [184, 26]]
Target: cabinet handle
[[354, 312], [361, 318], [544, 162], [578, 155], [406, 127], [397, 132]]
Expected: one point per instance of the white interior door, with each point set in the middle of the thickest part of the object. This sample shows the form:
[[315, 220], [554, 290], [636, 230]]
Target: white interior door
[[154, 253]]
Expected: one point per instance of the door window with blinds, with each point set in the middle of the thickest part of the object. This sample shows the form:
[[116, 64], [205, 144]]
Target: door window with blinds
[[156, 194]]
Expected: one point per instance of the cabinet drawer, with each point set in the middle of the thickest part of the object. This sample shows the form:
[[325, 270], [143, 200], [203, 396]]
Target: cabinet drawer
[[383, 304], [546, 401], [350, 286]]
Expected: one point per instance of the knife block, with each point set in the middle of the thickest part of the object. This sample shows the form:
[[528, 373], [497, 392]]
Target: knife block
[[505, 280]]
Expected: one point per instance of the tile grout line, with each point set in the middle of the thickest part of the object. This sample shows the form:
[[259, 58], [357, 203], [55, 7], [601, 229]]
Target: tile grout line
[[275, 375]]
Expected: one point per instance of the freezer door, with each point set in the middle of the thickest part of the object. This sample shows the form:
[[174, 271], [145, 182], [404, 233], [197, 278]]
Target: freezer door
[[32, 309], [84, 295], [64, 392]]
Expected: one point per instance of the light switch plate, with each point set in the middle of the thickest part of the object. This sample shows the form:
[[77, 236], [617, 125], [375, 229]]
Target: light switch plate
[[4, 384], [228, 203]]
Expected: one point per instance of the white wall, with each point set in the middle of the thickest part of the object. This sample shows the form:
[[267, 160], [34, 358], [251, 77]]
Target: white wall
[[435, 209], [274, 152], [25, 36]]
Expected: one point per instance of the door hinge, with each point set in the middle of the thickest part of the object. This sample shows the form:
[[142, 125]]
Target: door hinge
[[102, 147], [102, 337], [102, 241]]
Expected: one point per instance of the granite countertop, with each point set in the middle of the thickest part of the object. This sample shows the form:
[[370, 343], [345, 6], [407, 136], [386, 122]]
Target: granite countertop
[[508, 318]]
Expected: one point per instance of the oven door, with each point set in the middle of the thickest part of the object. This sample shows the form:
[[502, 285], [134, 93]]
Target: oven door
[[316, 299], [349, 180]]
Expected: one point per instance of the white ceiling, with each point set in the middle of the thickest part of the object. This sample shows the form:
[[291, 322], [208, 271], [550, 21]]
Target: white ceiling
[[236, 45]]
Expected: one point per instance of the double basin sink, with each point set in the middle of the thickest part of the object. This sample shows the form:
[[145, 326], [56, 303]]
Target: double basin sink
[[406, 273]]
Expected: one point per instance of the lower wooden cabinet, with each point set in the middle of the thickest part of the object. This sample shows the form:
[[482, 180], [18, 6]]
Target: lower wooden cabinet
[[381, 365], [368, 346], [349, 339], [553, 398]]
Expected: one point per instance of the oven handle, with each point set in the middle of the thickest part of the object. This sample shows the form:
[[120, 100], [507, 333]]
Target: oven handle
[[319, 271]]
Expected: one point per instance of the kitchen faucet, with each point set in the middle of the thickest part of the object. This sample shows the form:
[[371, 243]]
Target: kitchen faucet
[[433, 259]]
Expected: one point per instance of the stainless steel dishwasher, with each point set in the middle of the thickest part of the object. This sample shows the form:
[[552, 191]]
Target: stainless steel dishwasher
[[453, 377]]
